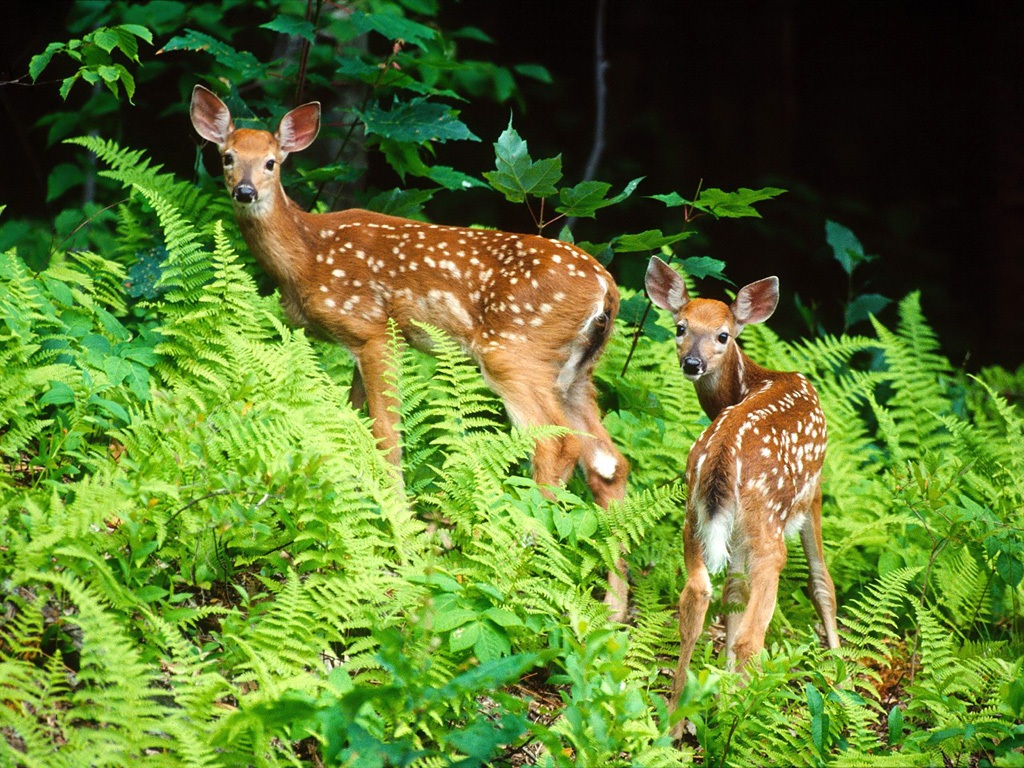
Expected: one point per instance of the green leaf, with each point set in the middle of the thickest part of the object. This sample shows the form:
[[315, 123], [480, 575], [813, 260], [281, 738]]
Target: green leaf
[[137, 29], [651, 240], [734, 205], [63, 177], [517, 175], [65, 87], [589, 196], [846, 248], [491, 644], [291, 25], [59, 393], [672, 199], [865, 305], [452, 618], [1010, 569], [106, 38], [417, 121], [400, 202], [38, 62], [451, 179], [699, 267], [464, 637], [393, 27], [633, 309], [244, 64], [110, 407], [895, 725], [534, 71]]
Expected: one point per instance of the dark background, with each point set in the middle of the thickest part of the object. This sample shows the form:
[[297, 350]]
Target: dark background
[[903, 121]]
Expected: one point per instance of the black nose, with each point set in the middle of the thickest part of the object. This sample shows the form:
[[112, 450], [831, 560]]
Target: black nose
[[245, 193], [693, 366]]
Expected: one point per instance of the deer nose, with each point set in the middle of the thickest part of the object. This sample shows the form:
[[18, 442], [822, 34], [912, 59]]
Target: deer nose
[[245, 193], [693, 366]]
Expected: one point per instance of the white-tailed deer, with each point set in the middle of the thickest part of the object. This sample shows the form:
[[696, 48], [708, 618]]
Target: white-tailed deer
[[754, 475], [534, 313]]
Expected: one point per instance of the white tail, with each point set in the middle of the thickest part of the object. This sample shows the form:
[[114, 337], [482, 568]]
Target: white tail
[[754, 475], [534, 313]]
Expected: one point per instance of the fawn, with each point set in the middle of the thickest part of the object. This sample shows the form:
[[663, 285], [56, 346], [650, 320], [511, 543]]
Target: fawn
[[534, 313], [754, 475]]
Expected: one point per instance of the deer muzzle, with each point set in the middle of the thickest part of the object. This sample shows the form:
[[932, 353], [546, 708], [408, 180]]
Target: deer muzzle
[[693, 367], [244, 193]]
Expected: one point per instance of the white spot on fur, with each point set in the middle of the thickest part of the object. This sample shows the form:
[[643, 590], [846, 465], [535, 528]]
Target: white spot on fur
[[605, 464]]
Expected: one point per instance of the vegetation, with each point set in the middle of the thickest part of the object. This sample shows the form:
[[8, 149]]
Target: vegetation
[[205, 562]]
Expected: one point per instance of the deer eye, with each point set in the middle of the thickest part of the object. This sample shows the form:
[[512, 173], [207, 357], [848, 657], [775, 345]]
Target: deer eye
[[723, 337], [270, 165], [680, 331], [229, 160]]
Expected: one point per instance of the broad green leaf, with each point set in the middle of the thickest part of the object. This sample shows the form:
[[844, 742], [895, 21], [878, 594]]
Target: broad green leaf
[[291, 25], [633, 309], [589, 196], [417, 121], [699, 267], [106, 38], [449, 178], [63, 177], [651, 240], [110, 407], [465, 636], [534, 71], [846, 248], [734, 205], [672, 199], [895, 725], [401, 202], [1010, 569], [137, 29], [59, 393], [393, 27], [65, 87], [38, 62], [491, 644], [517, 175], [127, 43], [242, 62], [864, 306]]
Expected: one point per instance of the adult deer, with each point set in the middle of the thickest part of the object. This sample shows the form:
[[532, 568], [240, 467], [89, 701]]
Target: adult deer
[[534, 313], [754, 475]]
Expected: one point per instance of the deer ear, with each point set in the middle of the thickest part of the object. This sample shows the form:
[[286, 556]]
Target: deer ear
[[665, 287], [210, 116], [299, 127], [756, 302]]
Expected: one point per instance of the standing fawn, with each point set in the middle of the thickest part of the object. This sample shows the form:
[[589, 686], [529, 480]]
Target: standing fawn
[[534, 313], [754, 475]]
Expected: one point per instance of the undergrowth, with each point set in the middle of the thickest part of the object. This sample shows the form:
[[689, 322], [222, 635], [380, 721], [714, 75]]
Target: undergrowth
[[204, 560]]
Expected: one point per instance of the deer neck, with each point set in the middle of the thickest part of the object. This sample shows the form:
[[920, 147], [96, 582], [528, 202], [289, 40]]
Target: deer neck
[[730, 384], [276, 233]]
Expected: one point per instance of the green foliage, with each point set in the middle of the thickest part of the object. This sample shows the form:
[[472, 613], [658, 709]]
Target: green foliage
[[94, 52], [205, 561]]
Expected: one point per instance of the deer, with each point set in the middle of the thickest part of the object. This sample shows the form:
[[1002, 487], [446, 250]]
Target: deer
[[753, 475], [534, 314]]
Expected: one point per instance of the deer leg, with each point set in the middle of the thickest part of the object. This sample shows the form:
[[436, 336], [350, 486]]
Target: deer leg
[[819, 582], [766, 563], [529, 392], [693, 607], [373, 366], [735, 596], [606, 470], [357, 393]]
